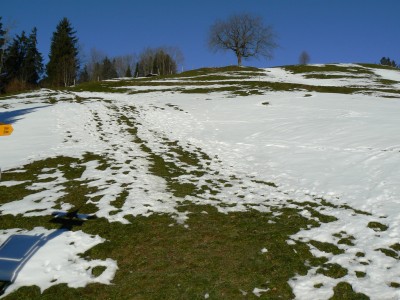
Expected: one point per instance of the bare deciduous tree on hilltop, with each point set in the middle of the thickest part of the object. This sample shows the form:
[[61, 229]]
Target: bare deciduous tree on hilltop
[[304, 58], [243, 34]]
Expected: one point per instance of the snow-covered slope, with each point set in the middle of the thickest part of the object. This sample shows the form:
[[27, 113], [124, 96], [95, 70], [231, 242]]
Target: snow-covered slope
[[328, 135]]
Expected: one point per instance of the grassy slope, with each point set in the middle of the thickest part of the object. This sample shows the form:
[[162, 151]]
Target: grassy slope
[[231, 79], [219, 254]]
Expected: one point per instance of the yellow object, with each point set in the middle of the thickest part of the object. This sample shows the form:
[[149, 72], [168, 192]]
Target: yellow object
[[5, 129]]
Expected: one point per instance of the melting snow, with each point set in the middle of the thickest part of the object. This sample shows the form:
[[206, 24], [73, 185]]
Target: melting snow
[[58, 261], [258, 291], [343, 148]]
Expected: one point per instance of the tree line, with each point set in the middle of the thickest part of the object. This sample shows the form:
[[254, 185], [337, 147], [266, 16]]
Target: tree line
[[21, 64], [151, 61], [22, 67], [386, 61]]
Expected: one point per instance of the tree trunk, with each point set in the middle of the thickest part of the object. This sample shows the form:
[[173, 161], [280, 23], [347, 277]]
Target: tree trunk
[[239, 58]]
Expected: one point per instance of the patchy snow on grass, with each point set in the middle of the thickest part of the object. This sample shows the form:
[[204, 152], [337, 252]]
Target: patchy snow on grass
[[388, 74], [258, 292], [11, 183], [58, 260], [343, 149]]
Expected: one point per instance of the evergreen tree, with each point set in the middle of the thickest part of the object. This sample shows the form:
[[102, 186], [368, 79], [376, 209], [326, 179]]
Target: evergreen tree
[[84, 75], [23, 62], [32, 65], [136, 70], [14, 58], [386, 61], [63, 59], [22, 65], [97, 72], [155, 68], [128, 72], [108, 69], [2, 52], [2, 45]]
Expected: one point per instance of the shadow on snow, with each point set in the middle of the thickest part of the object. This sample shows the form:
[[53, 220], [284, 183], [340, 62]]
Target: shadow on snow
[[10, 117], [16, 251]]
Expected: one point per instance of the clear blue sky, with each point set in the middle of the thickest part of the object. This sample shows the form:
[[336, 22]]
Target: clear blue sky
[[329, 30]]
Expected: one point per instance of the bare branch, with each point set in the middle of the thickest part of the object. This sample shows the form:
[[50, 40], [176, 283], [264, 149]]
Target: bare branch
[[243, 34]]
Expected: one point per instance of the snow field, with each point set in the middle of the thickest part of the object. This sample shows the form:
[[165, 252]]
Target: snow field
[[344, 149]]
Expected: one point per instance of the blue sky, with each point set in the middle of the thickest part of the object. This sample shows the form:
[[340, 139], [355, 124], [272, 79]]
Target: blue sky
[[329, 30]]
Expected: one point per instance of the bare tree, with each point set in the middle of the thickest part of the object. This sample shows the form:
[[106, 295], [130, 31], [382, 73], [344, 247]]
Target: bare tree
[[96, 57], [146, 59], [304, 58], [176, 54], [123, 62], [243, 34], [161, 61]]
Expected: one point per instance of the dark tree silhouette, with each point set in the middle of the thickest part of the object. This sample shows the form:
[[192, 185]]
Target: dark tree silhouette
[[386, 61], [128, 72], [304, 58], [63, 63], [243, 34]]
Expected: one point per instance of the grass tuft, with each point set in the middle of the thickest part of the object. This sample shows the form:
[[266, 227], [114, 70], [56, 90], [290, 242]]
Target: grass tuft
[[344, 291], [376, 226]]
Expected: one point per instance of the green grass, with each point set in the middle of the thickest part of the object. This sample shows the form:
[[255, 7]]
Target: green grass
[[326, 247], [102, 87], [231, 79], [387, 81], [206, 71], [327, 76], [377, 66], [344, 291], [328, 68], [332, 270], [16, 94], [218, 253], [376, 226]]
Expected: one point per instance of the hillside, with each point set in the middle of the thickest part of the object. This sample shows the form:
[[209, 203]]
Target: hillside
[[220, 183]]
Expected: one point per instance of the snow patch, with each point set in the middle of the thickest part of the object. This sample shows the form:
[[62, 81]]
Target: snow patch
[[58, 261]]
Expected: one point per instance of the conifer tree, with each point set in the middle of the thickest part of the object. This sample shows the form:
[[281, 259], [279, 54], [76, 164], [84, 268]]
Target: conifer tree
[[2, 45], [128, 72], [386, 61], [84, 75], [97, 72], [108, 69], [14, 58], [63, 59], [32, 65], [23, 62], [136, 70]]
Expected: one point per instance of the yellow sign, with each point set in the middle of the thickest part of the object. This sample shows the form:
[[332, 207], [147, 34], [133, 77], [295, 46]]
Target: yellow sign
[[5, 129]]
